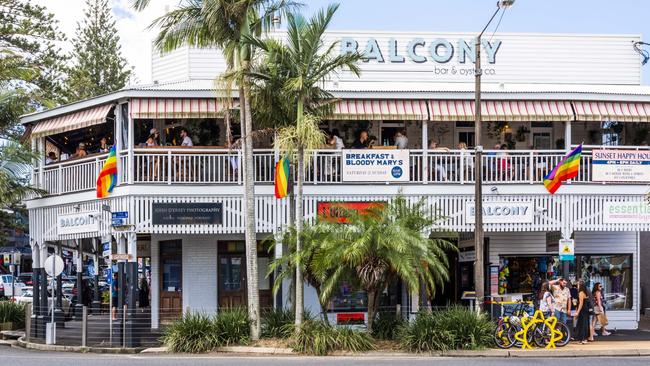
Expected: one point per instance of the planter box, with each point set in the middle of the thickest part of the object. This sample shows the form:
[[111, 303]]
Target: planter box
[[6, 326]]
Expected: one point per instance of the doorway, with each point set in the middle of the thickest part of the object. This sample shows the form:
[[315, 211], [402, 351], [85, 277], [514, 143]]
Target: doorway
[[171, 282], [232, 286]]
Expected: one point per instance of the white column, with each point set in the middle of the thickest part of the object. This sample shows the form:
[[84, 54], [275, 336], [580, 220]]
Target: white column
[[97, 245], [425, 151], [132, 242], [155, 283], [118, 141], [41, 162], [130, 147], [567, 135]]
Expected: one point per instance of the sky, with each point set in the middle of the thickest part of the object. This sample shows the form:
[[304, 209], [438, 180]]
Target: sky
[[534, 16]]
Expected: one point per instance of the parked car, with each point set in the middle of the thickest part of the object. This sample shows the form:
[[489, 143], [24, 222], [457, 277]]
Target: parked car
[[6, 289], [27, 297], [26, 278]]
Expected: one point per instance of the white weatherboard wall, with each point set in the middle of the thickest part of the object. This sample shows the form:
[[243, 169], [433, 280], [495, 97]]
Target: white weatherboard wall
[[200, 273], [521, 58], [534, 243]]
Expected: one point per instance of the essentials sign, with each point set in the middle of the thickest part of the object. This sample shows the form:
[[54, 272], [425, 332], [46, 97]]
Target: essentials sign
[[76, 223], [376, 166], [621, 166], [626, 213], [501, 212]]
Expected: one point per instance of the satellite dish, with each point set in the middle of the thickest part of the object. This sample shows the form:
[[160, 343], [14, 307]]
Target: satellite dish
[[53, 265]]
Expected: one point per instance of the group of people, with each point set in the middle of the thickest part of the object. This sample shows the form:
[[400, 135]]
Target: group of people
[[81, 151], [364, 141], [154, 138], [577, 307]]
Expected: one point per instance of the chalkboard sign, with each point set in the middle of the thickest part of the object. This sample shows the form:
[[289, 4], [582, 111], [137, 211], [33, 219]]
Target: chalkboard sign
[[204, 213]]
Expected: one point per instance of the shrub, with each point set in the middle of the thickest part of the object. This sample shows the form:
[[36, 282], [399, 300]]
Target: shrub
[[233, 326], [318, 338], [386, 325], [11, 312], [277, 323], [192, 333], [452, 328]]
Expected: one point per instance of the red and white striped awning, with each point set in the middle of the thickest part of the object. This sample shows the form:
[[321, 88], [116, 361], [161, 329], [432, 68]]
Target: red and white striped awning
[[380, 109], [612, 111], [72, 121], [501, 110], [175, 108]]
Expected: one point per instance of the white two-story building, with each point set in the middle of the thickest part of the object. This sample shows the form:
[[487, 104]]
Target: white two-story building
[[181, 208]]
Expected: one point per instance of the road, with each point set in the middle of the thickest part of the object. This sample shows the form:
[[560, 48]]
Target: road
[[14, 356]]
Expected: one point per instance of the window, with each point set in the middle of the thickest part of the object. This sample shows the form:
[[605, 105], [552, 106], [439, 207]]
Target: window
[[614, 272], [611, 133], [467, 138], [348, 297]]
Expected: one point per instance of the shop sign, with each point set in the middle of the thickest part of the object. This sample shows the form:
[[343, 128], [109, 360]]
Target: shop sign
[[77, 223], [339, 212], [502, 212], [621, 166], [376, 166], [494, 280], [567, 249], [467, 256], [107, 241], [201, 213], [626, 213]]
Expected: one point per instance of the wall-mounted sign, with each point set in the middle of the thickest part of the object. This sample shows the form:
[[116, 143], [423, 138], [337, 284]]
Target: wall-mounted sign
[[621, 166], [502, 212], [567, 249], [376, 165], [340, 211], [626, 213], [202, 213], [107, 245], [76, 223], [467, 256]]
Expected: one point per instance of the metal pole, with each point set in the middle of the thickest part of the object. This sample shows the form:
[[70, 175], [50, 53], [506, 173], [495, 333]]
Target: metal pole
[[124, 326], [478, 182], [84, 327]]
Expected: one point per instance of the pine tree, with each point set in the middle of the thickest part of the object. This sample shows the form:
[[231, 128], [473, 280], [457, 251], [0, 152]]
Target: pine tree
[[99, 66]]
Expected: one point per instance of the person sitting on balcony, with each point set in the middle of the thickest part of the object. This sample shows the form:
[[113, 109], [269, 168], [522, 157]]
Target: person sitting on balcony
[[103, 145], [505, 165], [401, 141], [154, 138], [187, 141], [439, 162], [50, 158], [338, 141], [363, 142], [81, 151]]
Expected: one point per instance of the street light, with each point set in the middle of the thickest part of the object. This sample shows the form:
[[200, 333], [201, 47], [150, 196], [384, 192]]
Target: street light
[[479, 266]]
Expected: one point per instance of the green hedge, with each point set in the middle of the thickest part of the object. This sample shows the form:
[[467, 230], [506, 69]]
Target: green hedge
[[453, 328], [318, 338], [11, 312]]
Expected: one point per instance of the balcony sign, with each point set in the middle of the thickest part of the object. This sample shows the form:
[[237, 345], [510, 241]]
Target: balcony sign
[[626, 213], [370, 165], [77, 223], [621, 166], [502, 212], [202, 213]]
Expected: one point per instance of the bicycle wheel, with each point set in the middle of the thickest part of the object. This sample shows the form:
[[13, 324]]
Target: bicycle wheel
[[502, 335], [566, 335], [541, 335]]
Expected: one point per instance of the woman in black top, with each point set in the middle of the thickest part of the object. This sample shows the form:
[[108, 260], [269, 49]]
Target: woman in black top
[[583, 329]]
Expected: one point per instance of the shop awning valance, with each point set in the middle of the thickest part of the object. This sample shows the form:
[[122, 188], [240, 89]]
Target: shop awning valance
[[73, 121], [501, 110], [176, 108], [380, 109], [612, 111]]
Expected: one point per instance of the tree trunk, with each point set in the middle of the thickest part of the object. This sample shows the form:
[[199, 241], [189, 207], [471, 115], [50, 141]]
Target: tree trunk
[[323, 306], [299, 214], [228, 129], [249, 197], [372, 309]]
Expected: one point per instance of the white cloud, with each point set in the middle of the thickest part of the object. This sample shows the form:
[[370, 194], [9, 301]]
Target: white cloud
[[132, 27]]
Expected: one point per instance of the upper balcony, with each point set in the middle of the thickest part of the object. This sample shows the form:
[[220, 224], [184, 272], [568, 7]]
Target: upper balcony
[[215, 166]]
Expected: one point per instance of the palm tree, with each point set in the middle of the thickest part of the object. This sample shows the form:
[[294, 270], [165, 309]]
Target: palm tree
[[224, 24], [382, 244], [302, 65]]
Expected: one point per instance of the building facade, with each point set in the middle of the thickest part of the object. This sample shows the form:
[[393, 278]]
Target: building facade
[[179, 209]]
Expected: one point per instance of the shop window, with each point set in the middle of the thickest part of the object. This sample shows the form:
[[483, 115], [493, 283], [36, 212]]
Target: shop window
[[348, 297], [524, 275], [614, 272]]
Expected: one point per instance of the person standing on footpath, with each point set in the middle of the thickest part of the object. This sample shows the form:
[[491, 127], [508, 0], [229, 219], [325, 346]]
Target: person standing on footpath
[[546, 300], [583, 328], [599, 310], [562, 296]]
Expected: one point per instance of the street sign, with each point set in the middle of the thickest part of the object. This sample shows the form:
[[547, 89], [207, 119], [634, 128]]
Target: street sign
[[567, 249], [53, 265], [108, 273], [121, 257], [120, 215], [106, 245]]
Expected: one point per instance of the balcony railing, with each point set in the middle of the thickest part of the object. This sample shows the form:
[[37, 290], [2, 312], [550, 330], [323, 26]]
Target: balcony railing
[[220, 166]]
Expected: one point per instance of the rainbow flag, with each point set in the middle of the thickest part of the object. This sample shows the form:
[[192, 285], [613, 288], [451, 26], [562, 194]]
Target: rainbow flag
[[108, 176], [567, 169], [282, 178]]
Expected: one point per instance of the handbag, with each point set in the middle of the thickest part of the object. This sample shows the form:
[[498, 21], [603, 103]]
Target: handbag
[[602, 319], [597, 310]]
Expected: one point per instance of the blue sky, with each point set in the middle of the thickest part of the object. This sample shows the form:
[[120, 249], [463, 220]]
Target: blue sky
[[547, 16]]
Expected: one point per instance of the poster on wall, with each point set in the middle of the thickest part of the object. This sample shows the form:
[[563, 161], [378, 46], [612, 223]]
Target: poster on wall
[[376, 165], [626, 212], [339, 212], [621, 166], [567, 249]]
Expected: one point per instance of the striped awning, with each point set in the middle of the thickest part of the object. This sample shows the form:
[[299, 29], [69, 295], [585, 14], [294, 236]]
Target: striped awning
[[175, 108], [612, 111], [72, 121], [501, 110], [380, 109]]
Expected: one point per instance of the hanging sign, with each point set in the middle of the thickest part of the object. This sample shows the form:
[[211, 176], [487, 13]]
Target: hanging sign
[[367, 165], [567, 249], [621, 166]]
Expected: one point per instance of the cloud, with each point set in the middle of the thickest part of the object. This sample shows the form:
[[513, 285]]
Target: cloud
[[132, 27]]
